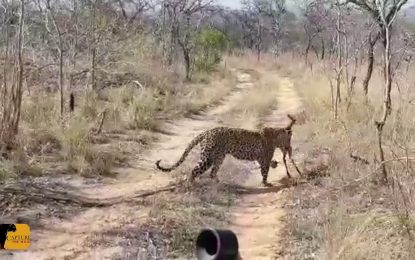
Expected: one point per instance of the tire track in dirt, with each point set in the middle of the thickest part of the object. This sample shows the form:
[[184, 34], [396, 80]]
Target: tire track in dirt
[[175, 137], [70, 238], [257, 215]]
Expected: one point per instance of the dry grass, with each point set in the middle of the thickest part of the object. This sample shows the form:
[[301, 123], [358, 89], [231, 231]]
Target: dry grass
[[133, 113], [249, 60], [134, 88], [17, 165], [140, 94], [349, 215], [260, 99], [130, 108], [181, 216]]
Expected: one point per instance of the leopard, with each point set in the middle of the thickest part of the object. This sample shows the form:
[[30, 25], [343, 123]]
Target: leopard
[[242, 144]]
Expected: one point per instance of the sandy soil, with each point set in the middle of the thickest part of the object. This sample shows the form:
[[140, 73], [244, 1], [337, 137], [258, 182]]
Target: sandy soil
[[256, 216]]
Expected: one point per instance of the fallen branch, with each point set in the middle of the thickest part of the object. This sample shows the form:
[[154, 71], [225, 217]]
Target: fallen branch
[[145, 194], [102, 122], [357, 158], [138, 84], [42, 195], [399, 159]]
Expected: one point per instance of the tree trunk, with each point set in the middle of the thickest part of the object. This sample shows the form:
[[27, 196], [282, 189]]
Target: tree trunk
[[71, 102], [171, 46], [370, 62], [408, 64], [387, 102], [339, 63], [75, 40], [186, 57], [338, 96], [19, 90], [93, 67], [351, 92], [61, 78], [93, 43], [5, 100], [258, 53], [187, 62], [315, 51], [259, 40], [307, 50]]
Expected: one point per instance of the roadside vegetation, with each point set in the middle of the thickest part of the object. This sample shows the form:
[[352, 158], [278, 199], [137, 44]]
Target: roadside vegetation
[[85, 87]]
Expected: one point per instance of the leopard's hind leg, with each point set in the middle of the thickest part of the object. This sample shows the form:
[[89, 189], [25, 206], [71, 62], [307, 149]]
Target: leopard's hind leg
[[217, 162], [203, 165]]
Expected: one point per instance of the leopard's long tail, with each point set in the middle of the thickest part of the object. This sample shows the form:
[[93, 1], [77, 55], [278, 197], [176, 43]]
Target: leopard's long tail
[[186, 152]]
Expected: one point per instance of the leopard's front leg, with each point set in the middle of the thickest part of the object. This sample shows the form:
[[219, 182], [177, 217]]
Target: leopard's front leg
[[265, 164]]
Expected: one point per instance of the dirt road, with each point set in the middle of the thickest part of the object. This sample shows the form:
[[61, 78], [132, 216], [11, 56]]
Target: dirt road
[[256, 215]]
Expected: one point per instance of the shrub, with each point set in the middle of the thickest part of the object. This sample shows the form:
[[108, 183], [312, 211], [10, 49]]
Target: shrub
[[40, 110], [74, 139], [142, 113], [211, 43]]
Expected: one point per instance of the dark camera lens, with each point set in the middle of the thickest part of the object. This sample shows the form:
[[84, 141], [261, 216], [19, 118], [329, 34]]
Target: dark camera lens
[[212, 244]]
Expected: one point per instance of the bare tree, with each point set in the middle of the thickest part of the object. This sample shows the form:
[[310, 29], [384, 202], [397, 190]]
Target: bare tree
[[12, 88], [263, 23], [93, 41], [318, 19], [184, 18], [133, 9], [259, 26], [274, 12], [56, 35], [372, 39], [384, 12], [249, 23], [347, 47]]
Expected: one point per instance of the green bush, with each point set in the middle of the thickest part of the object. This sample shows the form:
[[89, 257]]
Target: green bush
[[210, 45]]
